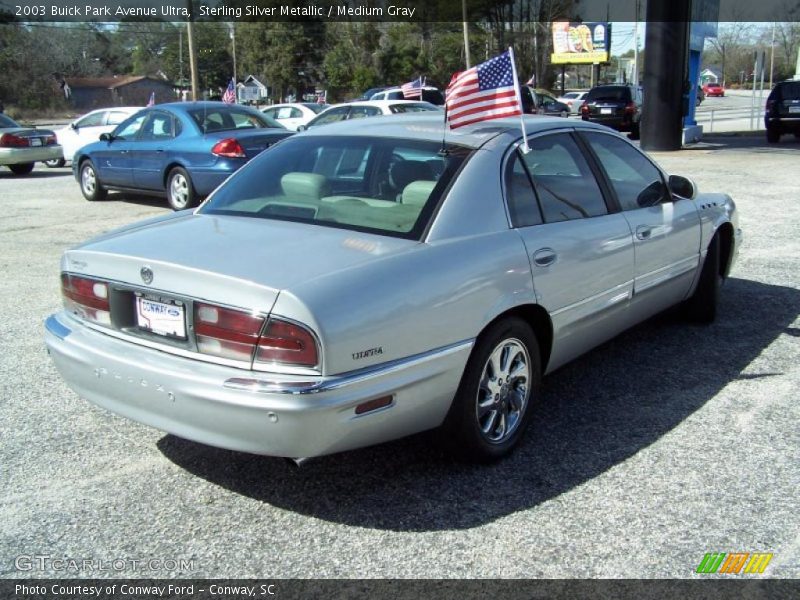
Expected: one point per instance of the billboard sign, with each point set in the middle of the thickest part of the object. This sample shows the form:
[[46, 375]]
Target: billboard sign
[[580, 43]]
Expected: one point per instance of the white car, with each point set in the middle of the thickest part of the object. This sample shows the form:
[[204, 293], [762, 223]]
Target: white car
[[368, 108], [429, 94], [87, 129], [573, 100], [294, 114]]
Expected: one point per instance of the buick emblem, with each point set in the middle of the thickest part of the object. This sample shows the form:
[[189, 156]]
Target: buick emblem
[[147, 275]]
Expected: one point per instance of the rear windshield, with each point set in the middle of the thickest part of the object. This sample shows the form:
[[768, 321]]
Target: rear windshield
[[789, 90], [610, 94], [317, 108], [377, 185], [6, 122], [224, 119], [411, 107]]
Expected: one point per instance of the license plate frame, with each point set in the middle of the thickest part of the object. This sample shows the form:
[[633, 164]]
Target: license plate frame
[[794, 109], [160, 316], [606, 111]]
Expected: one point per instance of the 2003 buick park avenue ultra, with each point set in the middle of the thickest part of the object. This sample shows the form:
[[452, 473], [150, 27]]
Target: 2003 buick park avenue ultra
[[361, 282]]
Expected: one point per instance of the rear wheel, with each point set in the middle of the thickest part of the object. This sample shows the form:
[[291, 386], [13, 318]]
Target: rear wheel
[[564, 114], [180, 191], [90, 184], [773, 135], [21, 168], [54, 163], [493, 404], [635, 133], [702, 306]]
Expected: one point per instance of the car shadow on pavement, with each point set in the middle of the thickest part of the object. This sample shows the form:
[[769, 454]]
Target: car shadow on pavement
[[597, 412]]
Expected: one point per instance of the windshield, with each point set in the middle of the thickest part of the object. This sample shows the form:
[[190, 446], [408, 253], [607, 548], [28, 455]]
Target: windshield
[[378, 185], [317, 108], [225, 118]]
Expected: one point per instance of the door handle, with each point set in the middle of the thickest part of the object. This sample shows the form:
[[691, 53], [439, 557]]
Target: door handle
[[643, 232], [544, 257]]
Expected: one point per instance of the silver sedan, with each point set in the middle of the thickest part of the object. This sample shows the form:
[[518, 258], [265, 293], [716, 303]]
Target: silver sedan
[[367, 281]]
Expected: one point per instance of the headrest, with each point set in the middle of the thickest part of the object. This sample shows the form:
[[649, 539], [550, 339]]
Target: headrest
[[417, 193], [306, 186], [406, 171]]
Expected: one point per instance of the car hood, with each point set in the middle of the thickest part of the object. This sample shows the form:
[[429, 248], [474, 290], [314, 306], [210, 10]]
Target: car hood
[[242, 261]]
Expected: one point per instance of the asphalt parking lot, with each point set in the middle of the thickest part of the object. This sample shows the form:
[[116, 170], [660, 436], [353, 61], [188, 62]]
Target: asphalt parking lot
[[665, 444]]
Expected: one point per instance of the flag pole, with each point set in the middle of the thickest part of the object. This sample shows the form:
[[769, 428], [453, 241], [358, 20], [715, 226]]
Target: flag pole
[[525, 147]]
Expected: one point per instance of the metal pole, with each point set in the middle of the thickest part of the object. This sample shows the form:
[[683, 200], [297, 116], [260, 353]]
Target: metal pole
[[771, 55], [761, 91], [192, 59], [636, 47], [466, 31], [233, 47]]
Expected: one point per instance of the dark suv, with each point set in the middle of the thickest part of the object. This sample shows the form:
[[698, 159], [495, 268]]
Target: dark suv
[[783, 111], [618, 106]]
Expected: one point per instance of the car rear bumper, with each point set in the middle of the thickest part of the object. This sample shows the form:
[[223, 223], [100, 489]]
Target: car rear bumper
[[783, 123], [207, 179], [620, 123], [290, 416], [16, 156]]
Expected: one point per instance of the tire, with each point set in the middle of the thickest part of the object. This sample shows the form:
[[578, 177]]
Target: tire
[[564, 114], [701, 307], [90, 184], [488, 416], [55, 163], [180, 191], [773, 136], [21, 168], [635, 133]]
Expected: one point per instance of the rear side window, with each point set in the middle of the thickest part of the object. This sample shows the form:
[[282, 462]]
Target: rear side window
[[564, 183], [522, 205]]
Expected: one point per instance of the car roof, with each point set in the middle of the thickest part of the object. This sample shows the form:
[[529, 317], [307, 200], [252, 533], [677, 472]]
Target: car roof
[[285, 104], [429, 127], [379, 103]]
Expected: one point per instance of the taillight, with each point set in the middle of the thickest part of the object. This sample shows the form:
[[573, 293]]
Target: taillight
[[86, 298], [770, 104], [225, 332], [630, 108], [229, 147], [585, 108], [287, 344], [9, 140], [50, 140], [237, 335]]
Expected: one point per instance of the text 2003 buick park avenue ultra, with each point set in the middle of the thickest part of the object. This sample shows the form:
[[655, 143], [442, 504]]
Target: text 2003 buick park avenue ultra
[[358, 283]]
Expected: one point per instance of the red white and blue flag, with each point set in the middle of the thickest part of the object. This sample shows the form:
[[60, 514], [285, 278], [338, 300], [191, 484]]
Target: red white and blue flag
[[413, 89], [229, 97], [486, 91], [152, 100]]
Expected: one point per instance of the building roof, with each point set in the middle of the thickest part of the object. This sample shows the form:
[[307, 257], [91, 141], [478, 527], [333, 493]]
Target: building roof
[[108, 82]]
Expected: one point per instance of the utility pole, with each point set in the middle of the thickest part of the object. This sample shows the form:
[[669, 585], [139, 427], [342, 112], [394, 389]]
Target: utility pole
[[771, 55], [192, 51], [180, 63], [636, 47], [233, 46], [466, 31]]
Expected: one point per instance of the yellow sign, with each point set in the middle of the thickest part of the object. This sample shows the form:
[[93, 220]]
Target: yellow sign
[[580, 43]]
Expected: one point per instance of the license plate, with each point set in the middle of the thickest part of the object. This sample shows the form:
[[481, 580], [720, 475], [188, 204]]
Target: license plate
[[162, 318], [794, 109], [36, 141], [605, 111]]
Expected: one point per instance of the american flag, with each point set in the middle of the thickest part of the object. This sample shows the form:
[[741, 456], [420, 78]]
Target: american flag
[[152, 100], [229, 97], [413, 89], [486, 91]]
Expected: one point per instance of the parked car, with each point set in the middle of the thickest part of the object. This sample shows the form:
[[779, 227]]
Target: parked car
[[22, 147], [616, 106], [182, 150], [295, 114], [359, 282], [369, 93], [87, 129], [782, 114], [369, 108], [429, 94], [713, 89], [573, 100], [541, 102]]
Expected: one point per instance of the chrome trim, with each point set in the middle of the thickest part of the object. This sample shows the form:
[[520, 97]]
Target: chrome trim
[[261, 386], [55, 327], [616, 299]]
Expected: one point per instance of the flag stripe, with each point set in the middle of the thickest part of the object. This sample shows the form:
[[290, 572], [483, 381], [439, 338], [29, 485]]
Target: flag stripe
[[482, 97]]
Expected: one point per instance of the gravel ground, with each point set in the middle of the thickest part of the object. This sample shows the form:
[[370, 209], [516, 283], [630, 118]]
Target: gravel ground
[[669, 442]]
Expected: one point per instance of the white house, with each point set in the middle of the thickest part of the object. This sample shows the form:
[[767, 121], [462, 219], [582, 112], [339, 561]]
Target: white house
[[251, 90]]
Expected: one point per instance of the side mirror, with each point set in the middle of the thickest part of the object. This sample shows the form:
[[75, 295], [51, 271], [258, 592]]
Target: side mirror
[[301, 128], [682, 186], [106, 137], [74, 126]]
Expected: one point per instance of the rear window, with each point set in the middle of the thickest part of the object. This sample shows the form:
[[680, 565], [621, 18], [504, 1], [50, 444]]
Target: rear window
[[788, 90], [411, 107], [225, 119], [377, 185], [610, 94], [6, 122]]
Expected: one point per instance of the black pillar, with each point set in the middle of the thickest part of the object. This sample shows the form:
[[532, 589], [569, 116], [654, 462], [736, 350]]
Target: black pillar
[[665, 73]]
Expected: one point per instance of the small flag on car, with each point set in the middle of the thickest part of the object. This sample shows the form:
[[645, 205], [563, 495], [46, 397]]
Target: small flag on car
[[413, 89], [152, 100], [229, 97]]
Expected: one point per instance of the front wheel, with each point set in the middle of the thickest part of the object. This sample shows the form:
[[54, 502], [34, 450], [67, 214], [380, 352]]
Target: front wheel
[[21, 168], [180, 191], [493, 404], [90, 184]]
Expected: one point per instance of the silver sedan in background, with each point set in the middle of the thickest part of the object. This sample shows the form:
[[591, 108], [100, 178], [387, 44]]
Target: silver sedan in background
[[364, 281]]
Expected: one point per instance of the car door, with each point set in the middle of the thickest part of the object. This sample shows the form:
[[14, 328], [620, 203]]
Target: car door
[[332, 115], [666, 229], [580, 250], [151, 150], [113, 159]]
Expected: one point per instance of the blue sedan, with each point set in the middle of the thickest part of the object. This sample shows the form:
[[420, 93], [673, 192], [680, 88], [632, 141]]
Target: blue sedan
[[182, 150]]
